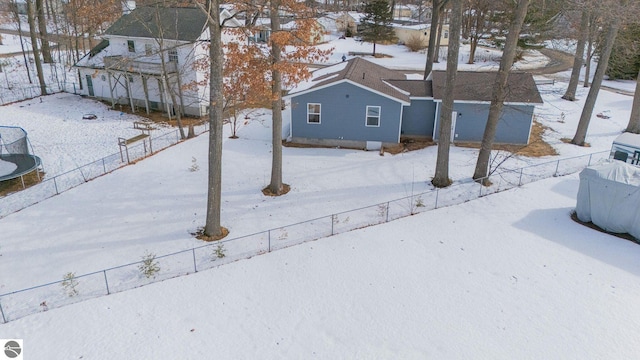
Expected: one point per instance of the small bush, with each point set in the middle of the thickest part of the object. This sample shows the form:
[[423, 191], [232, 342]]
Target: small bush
[[219, 252], [149, 267], [415, 43], [69, 284]]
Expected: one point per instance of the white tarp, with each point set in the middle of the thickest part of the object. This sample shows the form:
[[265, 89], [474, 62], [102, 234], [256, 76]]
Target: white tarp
[[609, 196]]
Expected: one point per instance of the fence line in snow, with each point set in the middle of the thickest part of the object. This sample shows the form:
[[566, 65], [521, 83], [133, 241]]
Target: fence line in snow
[[60, 183], [20, 303]]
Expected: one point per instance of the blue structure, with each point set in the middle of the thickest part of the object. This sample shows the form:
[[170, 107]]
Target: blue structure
[[361, 104]]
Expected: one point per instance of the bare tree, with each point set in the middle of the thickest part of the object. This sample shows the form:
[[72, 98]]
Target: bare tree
[[34, 47], [276, 186], [438, 5], [212, 227], [44, 36], [441, 178], [609, 39], [500, 91], [478, 15], [634, 119], [592, 44], [578, 58]]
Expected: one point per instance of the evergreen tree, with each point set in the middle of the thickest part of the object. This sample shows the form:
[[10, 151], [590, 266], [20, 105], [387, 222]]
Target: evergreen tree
[[376, 23], [625, 56]]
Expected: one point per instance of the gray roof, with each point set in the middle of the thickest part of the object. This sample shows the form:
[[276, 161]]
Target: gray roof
[[470, 85], [478, 86], [368, 74], [417, 88], [186, 24]]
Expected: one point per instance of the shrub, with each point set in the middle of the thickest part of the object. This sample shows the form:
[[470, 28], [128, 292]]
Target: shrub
[[219, 252], [149, 266], [69, 284], [415, 43]]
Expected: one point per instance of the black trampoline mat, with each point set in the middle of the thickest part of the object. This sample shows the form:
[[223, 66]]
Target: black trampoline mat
[[26, 164]]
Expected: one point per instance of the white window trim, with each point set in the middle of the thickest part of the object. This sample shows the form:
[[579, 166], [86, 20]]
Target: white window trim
[[310, 113], [173, 55], [366, 115]]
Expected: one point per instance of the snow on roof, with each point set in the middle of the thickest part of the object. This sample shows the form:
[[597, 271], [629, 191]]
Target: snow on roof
[[628, 139], [320, 75]]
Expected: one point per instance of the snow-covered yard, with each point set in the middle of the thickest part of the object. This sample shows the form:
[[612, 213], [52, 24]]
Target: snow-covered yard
[[506, 276]]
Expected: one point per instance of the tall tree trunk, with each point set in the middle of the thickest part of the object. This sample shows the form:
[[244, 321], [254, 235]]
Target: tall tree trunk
[[441, 177], [436, 54], [24, 52], [590, 103], [472, 49], [44, 36], [34, 46], [433, 34], [276, 186], [593, 25], [500, 91], [212, 226], [578, 59], [634, 119]]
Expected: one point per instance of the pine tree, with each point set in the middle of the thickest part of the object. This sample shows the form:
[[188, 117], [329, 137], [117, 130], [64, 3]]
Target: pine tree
[[376, 23]]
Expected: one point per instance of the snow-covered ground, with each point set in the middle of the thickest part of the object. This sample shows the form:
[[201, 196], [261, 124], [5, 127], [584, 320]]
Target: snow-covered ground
[[506, 276], [509, 276]]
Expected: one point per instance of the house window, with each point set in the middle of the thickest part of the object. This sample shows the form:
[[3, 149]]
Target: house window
[[313, 113], [173, 56], [445, 34], [131, 45], [373, 116], [148, 50], [130, 77]]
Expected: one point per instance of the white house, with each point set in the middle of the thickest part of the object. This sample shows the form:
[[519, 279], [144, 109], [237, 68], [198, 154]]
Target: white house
[[147, 57], [421, 32]]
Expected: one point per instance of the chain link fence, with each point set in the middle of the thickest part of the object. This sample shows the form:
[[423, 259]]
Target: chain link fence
[[21, 93], [58, 184], [72, 289]]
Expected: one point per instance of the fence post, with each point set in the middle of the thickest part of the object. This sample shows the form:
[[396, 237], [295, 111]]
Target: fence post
[[590, 155], [56, 185], [269, 239], [437, 194], [104, 168], [195, 268], [106, 282], [557, 165], [333, 220], [387, 211], [4, 319], [520, 180]]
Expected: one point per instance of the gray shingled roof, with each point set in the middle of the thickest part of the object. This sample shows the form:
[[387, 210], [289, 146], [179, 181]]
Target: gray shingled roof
[[186, 24], [470, 85], [367, 74], [417, 88], [478, 86]]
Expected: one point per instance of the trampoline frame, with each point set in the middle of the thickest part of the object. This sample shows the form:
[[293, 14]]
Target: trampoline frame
[[25, 163]]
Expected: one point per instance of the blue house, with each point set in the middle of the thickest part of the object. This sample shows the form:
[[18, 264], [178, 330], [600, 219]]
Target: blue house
[[360, 104]]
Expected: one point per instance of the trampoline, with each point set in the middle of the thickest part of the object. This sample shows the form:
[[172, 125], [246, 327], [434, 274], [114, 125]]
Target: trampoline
[[15, 158]]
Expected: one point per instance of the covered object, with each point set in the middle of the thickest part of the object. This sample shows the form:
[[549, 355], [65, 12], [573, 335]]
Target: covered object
[[626, 147], [609, 196]]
